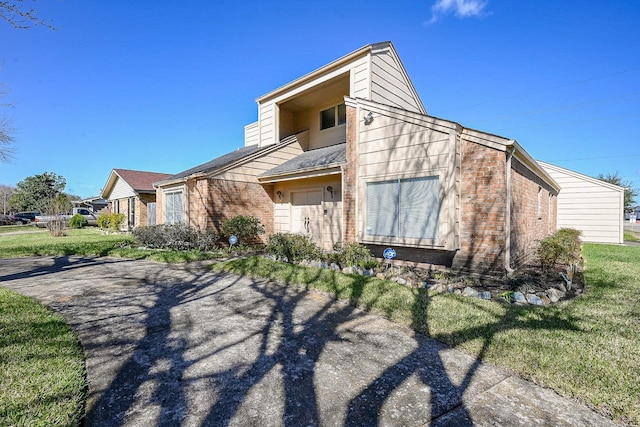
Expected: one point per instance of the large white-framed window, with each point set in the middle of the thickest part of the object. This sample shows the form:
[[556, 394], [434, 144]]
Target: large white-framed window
[[173, 207], [406, 209], [333, 116]]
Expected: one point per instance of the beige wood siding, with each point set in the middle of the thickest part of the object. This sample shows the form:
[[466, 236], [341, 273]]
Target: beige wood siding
[[589, 205], [361, 82], [267, 124], [251, 134], [248, 172], [389, 84], [400, 148], [121, 190], [331, 206]]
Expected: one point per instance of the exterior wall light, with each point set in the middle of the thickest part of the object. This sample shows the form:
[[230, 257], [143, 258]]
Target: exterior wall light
[[368, 118], [330, 190], [279, 194]]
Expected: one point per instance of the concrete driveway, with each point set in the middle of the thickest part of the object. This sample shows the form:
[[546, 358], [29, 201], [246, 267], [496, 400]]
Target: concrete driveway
[[182, 346]]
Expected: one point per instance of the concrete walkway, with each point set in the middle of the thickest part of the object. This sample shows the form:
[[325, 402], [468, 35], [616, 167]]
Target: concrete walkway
[[180, 345]]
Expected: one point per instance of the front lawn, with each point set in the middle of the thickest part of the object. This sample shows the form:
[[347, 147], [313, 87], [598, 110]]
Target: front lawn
[[91, 241], [586, 348], [42, 364]]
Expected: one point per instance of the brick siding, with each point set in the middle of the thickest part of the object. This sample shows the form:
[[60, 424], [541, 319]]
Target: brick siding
[[483, 210], [349, 187], [532, 217], [213, 201]]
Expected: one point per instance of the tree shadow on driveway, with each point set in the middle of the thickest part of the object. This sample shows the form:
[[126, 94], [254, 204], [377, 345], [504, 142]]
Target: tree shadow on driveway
[[171, 345]]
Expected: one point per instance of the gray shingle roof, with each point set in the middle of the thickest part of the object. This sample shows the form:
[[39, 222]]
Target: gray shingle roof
[[214, 164], [310, 160]]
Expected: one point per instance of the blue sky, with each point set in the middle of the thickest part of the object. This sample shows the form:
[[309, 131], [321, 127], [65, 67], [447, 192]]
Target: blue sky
[[164, 86]]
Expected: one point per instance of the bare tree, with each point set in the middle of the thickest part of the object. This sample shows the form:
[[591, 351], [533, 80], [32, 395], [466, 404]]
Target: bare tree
[[6, 132], [18, 14]]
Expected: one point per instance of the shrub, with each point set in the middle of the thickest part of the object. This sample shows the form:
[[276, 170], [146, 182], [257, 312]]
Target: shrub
[[78, 221], [57, 227], [111, 221], [352, 254], [292, 248], [562, 247], [175, 236], [245, 228]]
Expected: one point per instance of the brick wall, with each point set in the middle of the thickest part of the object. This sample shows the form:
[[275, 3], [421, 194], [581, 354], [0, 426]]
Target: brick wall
[[349, 177], [483, 210], [159, 207], [533, 212], [141, 208], [213, 201]]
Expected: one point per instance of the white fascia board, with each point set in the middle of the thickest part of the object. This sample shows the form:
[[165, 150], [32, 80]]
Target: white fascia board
[[312, 76]]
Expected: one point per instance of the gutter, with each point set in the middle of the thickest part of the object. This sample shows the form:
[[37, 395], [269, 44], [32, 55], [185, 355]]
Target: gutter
[[511, 149]]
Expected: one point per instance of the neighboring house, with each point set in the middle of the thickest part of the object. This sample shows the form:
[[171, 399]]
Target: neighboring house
[[349, 153], [96, 204], [132, 193], [590, 205]]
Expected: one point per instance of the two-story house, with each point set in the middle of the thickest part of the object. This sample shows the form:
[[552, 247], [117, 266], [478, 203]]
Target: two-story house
[[349, 153]]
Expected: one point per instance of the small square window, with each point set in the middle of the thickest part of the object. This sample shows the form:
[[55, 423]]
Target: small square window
[[328, 118]]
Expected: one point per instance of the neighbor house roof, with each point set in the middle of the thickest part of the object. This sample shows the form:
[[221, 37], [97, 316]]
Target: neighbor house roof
[[139, 181], [319, 160]]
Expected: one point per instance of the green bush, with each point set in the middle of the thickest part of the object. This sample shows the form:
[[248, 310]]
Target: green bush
[[562, 247], [111, 221], [352, 254], [245, 228], [78, 221], [175, 236], [292, 248]]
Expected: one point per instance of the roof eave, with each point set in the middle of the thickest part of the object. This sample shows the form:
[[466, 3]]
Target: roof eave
[[332, 169], [322, 70]]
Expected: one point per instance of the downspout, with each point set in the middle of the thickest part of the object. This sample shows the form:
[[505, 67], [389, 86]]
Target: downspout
[[507, 250]]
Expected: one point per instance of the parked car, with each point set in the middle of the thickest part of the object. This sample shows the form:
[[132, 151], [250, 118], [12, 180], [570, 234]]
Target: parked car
[[91, 217], [6, 219], [25, 217]]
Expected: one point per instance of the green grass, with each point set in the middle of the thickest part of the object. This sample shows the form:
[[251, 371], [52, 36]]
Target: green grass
[[14, 228], [631, 237], [42, 364], [587, 348], [91, 241]]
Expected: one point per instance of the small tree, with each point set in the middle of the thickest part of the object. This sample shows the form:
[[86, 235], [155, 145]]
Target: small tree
[[630, 192], [245, 228], [38, 193]]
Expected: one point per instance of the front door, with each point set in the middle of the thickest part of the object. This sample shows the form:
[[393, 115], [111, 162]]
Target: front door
[[306, 214]]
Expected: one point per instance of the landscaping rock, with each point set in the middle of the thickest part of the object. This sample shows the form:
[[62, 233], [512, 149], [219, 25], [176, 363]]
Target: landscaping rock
[[368, 272], [543, 296], [534, 299], [400, 280], [560, 286], [316, 264], [350, 270], [553, 295], [484, 295], [381, 276], [469, 292], [334, 266], [519, 298]]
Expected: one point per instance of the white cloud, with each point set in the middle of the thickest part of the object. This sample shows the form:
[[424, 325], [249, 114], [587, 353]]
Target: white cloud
[[459, 8]]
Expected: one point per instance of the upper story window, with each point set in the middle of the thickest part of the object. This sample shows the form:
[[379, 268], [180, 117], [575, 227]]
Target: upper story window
[[332, 117]]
